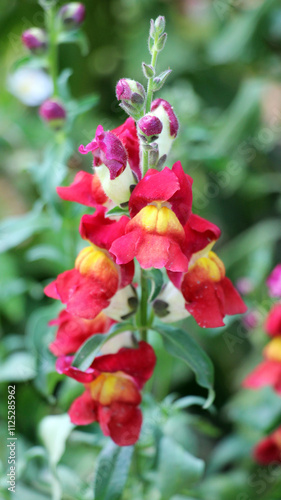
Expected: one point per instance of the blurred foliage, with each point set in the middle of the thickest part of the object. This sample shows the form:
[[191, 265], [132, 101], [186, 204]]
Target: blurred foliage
[[226, 89]]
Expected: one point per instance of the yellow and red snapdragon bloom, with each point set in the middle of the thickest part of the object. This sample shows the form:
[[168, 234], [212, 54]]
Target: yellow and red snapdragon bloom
[[209, 295], [268, 450], [112, 396], [74, 331], [159, 207], [267, 373], [88, 288]]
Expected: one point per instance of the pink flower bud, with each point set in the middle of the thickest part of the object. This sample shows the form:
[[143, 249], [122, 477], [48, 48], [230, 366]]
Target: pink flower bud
[[72, 15], [53, 112], [150, 125], [130, 91], [35, 40]]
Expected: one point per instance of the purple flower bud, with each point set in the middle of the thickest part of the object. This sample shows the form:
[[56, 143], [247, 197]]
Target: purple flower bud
[[72, 15], [35, 40], [53, 112], [150, 125], [130, 91]]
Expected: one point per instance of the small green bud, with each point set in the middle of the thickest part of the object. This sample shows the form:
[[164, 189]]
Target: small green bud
[[159, 80], [152, 31], [160, 24], [160, 44], [148, 70], [150, 45]]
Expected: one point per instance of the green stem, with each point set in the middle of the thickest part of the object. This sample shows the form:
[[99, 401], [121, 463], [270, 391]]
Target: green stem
[[149, 97], [143, 306], [53, 49]]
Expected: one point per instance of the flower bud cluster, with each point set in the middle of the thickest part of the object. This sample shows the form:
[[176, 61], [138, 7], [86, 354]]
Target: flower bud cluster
[[40, 43]]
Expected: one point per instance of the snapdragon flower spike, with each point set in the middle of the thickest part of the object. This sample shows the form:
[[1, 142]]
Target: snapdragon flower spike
[[274, 282], [72, 15], [116, 160], [74, 331], [267, 373], [35, 40], [112, 396], [159, 207], [268, 450], [208, 293], [163, 110], [86, 189], [88, 288], [53, 112]]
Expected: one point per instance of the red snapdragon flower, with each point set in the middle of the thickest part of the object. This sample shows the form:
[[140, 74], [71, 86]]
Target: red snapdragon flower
[[112, 396], [273, 321], [88, 288], [159, 207], [74, 331], [85, 189], [208, 293], [268, 450], [267, 373]]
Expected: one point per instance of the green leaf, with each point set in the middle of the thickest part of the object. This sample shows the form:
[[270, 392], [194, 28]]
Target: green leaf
[[80, 106], [54, 431], [15, 230], [157, 280], [18, 367], [178, 470], [88, 351], [117, 211], [77, 37], [112, 472], [179, 344], [188, 401]]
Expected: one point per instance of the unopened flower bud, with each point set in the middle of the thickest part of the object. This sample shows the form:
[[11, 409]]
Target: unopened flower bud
[[160, 24], [150, 126], [35, 40], [132, 96], [53, 112], [164, 111], [72, 15]]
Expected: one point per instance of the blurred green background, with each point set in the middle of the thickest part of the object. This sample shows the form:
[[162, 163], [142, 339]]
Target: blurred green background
[[226, 90]]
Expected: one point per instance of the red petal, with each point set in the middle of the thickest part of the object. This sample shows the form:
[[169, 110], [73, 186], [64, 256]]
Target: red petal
[[101, 230], [266, 373], [83, 410], [181, 201], [63, 365], [122, 422], [273, 321], [138, 363], [233, 302], [199, 233], [155, 186], [85, 189]]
